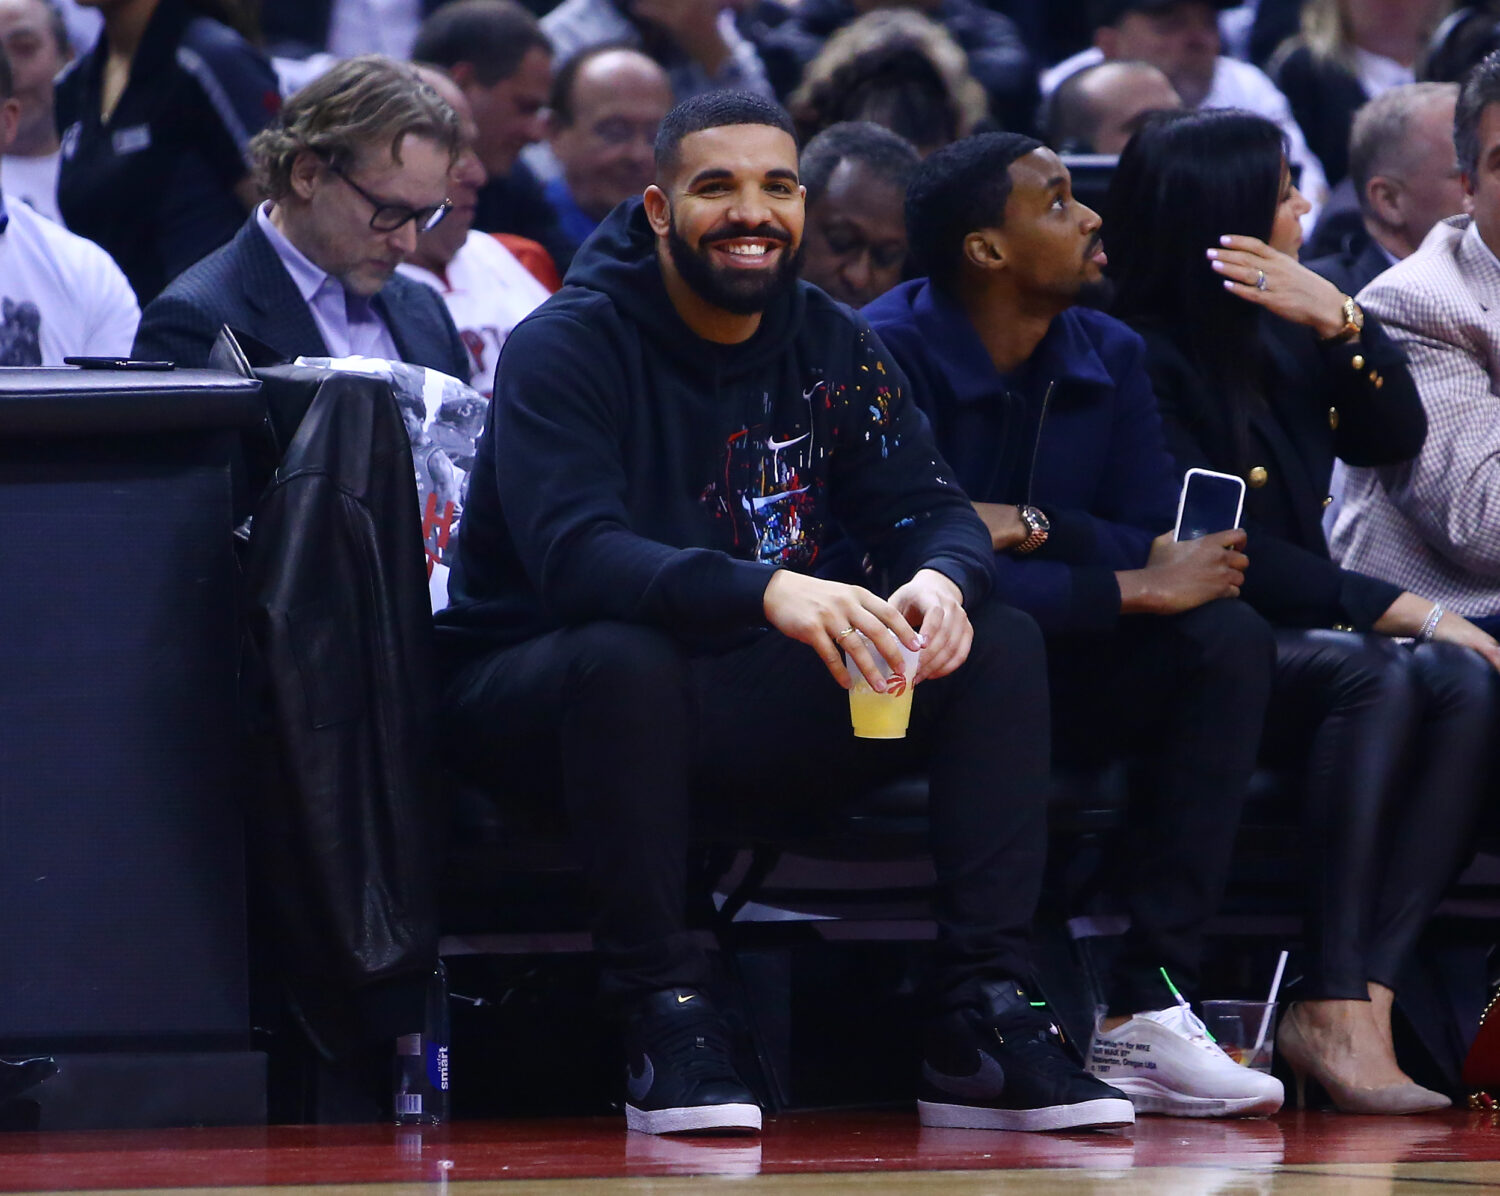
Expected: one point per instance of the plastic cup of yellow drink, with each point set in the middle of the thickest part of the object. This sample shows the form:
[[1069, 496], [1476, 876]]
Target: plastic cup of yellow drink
[[881, 715]]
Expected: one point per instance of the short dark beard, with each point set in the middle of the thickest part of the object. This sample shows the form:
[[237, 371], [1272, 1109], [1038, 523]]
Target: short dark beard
[[741, 293]]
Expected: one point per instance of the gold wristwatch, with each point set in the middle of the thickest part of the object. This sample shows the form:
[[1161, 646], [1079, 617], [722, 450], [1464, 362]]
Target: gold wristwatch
[[1037, 528], [1354, 323]]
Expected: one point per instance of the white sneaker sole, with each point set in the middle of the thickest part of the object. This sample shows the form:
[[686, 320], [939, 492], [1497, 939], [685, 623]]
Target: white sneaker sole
[[1150, 1097], [1107, 1113], [693, 1119]]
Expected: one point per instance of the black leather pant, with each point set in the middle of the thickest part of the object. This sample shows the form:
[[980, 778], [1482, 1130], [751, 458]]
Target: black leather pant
[[1395, 745]]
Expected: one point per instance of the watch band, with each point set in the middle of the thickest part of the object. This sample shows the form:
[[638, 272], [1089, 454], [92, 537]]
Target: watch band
[[1038, 527], [1354, 323]]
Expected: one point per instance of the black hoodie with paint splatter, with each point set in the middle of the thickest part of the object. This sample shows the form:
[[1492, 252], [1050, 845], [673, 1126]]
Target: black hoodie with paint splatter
[[631, 470]]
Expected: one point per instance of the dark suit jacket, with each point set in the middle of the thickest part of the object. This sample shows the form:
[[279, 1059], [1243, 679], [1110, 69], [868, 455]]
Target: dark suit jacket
[[1317, 406], [1357, 264], [245, 286]]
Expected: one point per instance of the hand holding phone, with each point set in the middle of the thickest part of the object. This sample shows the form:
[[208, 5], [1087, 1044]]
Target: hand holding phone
[[1202, 559], [1210, 502]]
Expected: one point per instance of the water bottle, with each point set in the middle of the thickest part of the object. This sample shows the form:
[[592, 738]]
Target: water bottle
[[421, 1080]]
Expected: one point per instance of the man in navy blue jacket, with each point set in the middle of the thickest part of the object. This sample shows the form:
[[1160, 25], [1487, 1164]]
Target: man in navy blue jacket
[[1045, 411], [673, 440]]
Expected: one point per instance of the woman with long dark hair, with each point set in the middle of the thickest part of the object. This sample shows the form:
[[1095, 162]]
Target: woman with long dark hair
[[1264, 370]]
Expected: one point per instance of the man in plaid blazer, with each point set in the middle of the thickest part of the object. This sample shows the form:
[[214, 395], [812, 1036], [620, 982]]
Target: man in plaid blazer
[[1433, 525]]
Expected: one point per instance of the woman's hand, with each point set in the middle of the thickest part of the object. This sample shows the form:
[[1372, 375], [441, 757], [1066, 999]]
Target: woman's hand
[[1290, 289], [1455, 629], [1409, 612]]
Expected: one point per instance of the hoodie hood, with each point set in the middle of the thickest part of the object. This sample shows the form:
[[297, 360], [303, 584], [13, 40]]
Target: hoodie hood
[[619, 261]]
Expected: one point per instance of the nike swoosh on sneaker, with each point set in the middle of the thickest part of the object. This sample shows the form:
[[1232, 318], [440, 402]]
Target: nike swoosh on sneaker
[[986, 1083], [639, 1085], [683, 1000]]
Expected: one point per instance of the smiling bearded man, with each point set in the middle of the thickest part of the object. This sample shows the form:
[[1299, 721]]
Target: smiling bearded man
[[675, 437]]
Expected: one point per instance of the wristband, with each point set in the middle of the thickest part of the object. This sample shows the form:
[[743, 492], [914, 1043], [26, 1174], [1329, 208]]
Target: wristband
[[1429, 624]]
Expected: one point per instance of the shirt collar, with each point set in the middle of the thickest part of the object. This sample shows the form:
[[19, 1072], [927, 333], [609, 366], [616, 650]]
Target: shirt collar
[[1064, 354], [309, 277]]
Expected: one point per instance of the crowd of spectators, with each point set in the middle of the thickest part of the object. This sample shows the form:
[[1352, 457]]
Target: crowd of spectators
[[135, 118], [1293, 282]]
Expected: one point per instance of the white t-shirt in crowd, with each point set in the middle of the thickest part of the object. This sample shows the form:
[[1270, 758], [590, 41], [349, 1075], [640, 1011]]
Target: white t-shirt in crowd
[[60, 296], [34, 180], [1236, 85], [488, 292]]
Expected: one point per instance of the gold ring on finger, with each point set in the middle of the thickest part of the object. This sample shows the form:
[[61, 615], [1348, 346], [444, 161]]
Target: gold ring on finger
[[846, 632]]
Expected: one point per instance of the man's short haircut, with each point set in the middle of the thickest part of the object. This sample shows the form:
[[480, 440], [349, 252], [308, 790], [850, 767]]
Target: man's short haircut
[[363, 104], [1072, 118], [560, 101], [492, 36], [959, 189], [1379, 138], [1481, 88], [887, 154], [7, 78], [712, 110]]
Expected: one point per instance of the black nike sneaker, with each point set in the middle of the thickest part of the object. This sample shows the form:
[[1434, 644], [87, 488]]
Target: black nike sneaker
[[679, 1078], [1002, 1066]]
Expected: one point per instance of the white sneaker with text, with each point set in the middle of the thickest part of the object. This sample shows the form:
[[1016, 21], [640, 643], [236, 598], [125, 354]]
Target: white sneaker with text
[[1166, 1062]]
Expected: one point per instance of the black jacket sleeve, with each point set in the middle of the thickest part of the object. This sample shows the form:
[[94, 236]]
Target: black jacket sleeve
[[173, 328], [1380, 416], [1287, 583]]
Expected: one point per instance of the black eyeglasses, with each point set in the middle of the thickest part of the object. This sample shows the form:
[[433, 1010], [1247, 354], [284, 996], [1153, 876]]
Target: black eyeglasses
[[388, 217]]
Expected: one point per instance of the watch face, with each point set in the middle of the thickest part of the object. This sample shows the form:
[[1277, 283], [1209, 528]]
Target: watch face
[[1035, 520]]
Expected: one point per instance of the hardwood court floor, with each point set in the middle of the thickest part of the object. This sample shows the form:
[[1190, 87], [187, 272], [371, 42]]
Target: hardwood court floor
[[807, 1154]]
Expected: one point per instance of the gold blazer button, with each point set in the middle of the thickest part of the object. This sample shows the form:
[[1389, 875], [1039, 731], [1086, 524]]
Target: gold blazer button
[[1257, 477]]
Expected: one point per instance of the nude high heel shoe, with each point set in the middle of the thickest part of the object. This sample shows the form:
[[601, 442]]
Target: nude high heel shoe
[[1304, 1060]]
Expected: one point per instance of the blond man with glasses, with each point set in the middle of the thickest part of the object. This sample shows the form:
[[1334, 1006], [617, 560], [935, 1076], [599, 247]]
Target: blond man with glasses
[[356, 168]]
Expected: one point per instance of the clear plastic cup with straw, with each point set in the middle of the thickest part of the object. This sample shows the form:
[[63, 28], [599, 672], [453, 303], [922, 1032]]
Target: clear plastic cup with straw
[[1244, 1029]]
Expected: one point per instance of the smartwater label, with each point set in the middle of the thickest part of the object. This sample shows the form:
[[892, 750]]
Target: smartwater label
[[437, 1066]]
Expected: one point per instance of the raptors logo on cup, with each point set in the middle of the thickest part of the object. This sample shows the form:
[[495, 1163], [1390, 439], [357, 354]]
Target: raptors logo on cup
[[895, 683]]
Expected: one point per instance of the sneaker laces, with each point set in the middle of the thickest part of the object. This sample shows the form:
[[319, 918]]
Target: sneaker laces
[[697, 1047], [1036, 1035], [1181, 1020]]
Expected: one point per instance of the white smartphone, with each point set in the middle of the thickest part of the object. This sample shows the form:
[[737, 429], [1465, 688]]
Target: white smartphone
[[1210, 502]]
